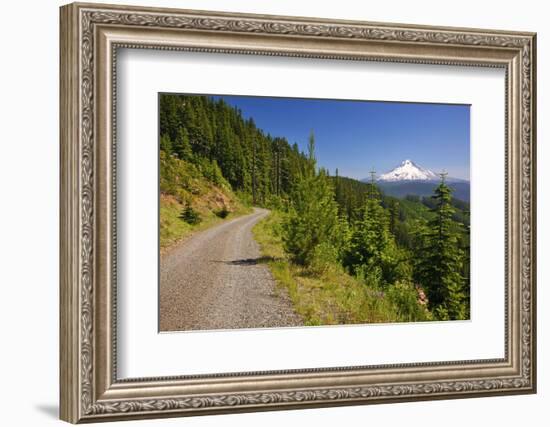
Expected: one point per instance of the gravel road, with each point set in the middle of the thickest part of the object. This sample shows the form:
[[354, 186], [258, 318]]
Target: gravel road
[[215, 280]]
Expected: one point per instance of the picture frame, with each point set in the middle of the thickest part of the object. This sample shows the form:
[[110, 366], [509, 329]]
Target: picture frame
[[91, 35]]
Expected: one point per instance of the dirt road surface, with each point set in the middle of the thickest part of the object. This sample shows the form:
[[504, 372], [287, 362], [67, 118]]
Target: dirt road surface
[[216, 280]]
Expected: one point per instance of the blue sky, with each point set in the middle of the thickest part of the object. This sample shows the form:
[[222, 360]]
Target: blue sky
[[356, 136]]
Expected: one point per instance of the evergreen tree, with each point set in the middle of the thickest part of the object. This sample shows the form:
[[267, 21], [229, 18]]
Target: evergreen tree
[[394, 216], [313, 214], [369, 239], [440, 259], [372, 250], [182, 146], [170, 120], [166, 144]]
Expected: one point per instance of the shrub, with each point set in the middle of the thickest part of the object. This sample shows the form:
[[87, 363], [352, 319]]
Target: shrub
[[223, 212], [244, 197], [190, 215], [404, 297], [325, 258], [370, 276], [278, 203]]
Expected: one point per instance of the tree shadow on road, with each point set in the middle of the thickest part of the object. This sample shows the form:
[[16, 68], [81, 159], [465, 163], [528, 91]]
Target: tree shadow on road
[[249, 261]]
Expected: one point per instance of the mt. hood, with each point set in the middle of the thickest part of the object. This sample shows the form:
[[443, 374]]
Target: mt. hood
[[411, 179], [408, 171]]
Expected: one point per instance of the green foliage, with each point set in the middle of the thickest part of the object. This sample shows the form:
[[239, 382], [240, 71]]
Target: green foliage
[[188, 200], [312, 218], [172, 228], [412, 198], [372, 250], [166, 144], [244, 197], [323, 293], [278, 203], [350, 195], [212, 172], [325, 257], [223, 212], [190, 215], [216, 137], [182, 146], [370, 236], [404, 296], [440, 259], [462, 208], [369, 275], [178, 178], [394, 216]]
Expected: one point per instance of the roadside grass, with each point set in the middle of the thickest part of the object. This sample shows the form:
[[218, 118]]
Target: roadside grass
[[199, 188], [325, 296], [174, 229]]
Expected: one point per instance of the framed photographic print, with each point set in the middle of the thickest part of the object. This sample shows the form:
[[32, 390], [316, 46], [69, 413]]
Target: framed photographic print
[[265, 212]]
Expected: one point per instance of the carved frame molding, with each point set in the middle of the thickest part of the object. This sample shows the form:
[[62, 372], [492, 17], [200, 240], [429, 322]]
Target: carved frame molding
[[90, 36]]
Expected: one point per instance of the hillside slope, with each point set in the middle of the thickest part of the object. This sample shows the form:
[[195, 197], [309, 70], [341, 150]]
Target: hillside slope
[[192, 197]]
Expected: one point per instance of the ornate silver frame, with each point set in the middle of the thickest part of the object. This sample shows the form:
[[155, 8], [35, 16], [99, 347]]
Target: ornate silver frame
[[90, 35]]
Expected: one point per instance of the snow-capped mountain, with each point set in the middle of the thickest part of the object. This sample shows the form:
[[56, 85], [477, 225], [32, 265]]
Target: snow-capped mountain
[[408, 171], [411, 179]]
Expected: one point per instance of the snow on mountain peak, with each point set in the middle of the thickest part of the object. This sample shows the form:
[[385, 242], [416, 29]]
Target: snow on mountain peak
[[408, 171]]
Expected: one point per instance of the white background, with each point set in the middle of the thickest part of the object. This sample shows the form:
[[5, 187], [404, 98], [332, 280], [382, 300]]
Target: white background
[[145, 353], [29, 171]]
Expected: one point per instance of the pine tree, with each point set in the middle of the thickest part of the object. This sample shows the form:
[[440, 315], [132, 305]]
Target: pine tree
[[313, 213], [254, 172], [372, 249], [370, 237], [440, 259], [170, 120], [394, 216], [166, 144], [182, 146]]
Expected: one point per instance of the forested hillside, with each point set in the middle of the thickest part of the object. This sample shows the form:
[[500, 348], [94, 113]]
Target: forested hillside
[[347, 252], [200, 129]]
